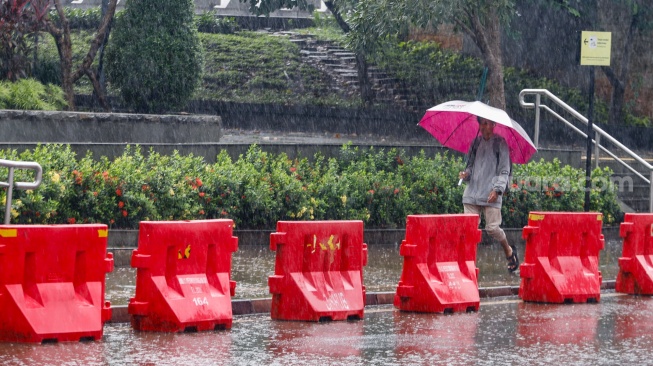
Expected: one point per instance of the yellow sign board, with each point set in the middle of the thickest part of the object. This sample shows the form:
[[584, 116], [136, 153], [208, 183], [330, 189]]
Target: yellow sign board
[[595, 48]]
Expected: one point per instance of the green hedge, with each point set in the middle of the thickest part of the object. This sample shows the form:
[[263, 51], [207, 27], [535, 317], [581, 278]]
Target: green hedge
[[256, 190], [29, 94]]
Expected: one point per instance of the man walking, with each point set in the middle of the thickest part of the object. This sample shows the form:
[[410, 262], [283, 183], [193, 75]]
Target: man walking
[[487, 171]]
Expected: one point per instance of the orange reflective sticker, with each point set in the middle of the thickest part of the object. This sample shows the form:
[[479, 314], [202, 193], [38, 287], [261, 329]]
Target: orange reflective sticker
[[8, 233], [535, 217]]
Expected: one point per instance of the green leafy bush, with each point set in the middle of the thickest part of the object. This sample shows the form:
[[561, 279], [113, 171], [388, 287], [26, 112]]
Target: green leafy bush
[[209, 22], [79, 18], [258, 189], [154, 55], [29, 94]]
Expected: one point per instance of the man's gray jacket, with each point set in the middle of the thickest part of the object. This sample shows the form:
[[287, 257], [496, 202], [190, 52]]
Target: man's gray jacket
[[486, 174]]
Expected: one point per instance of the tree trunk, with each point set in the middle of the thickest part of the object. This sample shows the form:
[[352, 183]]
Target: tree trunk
[[364, 83], [488, 39], [64, 45]]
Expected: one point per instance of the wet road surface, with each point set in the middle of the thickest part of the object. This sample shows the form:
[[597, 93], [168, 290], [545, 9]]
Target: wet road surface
[[617, 330]]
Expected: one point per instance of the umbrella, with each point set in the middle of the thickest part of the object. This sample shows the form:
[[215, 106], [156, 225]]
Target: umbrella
[[455, 125]]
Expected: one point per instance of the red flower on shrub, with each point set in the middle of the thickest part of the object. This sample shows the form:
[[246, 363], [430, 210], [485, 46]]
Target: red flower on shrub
[[198, 182], [201, 212], [121, 204], [124, 213], [118, 192], [371, 191], [71, 220], [202, 194], [144, 187], [293, 169], [396, 190]]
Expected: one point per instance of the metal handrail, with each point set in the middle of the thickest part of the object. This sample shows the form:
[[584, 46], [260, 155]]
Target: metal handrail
[[10, 184], [599, 133]]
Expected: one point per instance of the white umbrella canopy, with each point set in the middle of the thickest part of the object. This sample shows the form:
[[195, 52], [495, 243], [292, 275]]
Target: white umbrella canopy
[[455, 125]]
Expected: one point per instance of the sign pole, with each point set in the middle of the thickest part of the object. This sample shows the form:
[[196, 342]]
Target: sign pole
[[588, 160], [594, 51]]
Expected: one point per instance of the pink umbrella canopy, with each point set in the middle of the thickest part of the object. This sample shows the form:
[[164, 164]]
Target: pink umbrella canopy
[[454, 124]]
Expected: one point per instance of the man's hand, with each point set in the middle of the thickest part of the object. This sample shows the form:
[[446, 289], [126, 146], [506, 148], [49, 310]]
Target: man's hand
[[492, 197], [463, 175]]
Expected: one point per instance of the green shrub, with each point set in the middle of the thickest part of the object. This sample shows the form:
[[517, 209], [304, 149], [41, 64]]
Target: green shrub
[[29, 94], [209, 22], [256, 190], [79, 18], [154, 55]]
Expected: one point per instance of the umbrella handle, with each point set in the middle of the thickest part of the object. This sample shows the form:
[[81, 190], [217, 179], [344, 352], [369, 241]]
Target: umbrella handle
[[460, 182]]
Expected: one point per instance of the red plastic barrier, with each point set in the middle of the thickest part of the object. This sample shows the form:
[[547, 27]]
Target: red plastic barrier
[[318, 272], [183, 276], [561, 262], [635, 275], [439, 273], [52, 280]]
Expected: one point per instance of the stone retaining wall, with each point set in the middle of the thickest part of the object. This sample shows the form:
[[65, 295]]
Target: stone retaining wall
[[105, 128]]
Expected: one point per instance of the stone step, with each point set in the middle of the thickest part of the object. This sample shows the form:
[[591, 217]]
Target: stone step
[[385, 81], [343, 54], [320, 58], [301, 43], [332, 61]]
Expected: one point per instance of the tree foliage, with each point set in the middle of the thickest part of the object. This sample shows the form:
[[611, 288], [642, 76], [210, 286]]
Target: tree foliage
[[154, 55], [18, 20], [482, 20]]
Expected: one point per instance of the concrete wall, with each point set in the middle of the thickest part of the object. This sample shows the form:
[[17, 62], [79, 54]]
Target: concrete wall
[[107, 134]]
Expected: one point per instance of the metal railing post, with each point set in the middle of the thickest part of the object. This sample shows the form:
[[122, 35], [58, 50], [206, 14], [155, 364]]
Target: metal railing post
[[597, 143], [650, 194], [12, 165], [536, 134], [10, 191]]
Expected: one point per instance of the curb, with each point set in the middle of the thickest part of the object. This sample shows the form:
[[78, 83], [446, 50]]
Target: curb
[[119, 313]]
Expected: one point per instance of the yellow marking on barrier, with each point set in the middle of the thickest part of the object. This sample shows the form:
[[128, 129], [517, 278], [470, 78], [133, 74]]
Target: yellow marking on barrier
[[330, 245], [599, 217], [185, 254], [536, 217], [102, 233], [8, 233]]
